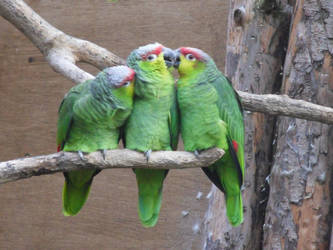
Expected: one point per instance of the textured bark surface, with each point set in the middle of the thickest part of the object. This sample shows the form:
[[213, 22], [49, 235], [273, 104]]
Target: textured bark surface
[[285, 106], [30, 94], [299, 213], [257, 41]]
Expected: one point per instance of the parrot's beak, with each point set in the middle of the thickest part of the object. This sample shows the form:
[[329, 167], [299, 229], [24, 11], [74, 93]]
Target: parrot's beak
[[177, 61], [169, 57]]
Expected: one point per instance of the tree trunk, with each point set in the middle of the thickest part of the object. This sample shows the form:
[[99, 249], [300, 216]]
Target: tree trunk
[[298, 214], [256, 48]]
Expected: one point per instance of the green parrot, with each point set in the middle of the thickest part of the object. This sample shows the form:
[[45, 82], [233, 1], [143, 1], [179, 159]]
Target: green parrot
[[90, 116], [153, 124], [211, 116]]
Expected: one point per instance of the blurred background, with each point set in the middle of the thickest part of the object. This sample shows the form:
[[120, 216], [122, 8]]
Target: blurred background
[[30, 93]]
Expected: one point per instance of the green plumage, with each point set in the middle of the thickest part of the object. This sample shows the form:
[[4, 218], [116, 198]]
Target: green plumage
[[153, 124], [211, 116], [89, 119]]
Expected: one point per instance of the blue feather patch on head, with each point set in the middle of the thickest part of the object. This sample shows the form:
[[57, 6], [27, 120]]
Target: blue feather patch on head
[[117, 75]]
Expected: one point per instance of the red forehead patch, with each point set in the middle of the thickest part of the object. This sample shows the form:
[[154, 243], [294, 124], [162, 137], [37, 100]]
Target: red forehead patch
[[129, 78], [186, 51], [131, 75], [155, 51]]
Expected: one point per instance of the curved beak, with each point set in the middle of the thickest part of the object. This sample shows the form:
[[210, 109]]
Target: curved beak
[[177, 61], [169, 57], [177, 58]]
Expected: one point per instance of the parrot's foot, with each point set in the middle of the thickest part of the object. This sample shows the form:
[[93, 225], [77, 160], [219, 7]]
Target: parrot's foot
[[81, 155], [196, 153], [103, 151], [147, 154]]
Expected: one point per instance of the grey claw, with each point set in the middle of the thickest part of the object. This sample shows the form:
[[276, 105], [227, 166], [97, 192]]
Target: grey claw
[[81, 155], [103, 151], [147, 154], [196, 153]]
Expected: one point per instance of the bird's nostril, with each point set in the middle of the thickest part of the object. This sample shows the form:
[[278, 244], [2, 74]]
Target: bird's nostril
[[168, 58]]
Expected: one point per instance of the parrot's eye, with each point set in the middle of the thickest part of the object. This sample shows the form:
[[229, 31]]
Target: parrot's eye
[[127, 83], [190, 57], [151, 57]]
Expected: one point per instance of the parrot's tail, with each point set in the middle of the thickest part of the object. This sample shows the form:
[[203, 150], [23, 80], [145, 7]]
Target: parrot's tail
[[234, 209], [150, 185], [149, 208], [76, 190]]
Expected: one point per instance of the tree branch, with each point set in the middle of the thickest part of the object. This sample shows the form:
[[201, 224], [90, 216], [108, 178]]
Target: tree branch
[[60, 50], [118, 158], [284, 105]]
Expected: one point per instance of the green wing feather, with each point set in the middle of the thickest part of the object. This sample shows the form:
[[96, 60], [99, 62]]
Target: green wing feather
[[230, 169], [65, 115], [77, 183], [231, 113]]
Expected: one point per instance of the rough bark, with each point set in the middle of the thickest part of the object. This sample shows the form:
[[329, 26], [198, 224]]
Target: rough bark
[[118, 158], [298, 214], [255, 54]]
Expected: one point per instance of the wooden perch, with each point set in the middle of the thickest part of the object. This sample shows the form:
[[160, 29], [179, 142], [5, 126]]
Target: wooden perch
[[284, 105], [118, 158]]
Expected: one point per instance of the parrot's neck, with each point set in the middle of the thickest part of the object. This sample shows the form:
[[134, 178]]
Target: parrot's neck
[[154, 87]]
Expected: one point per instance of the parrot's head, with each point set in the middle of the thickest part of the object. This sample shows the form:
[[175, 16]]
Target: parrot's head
[[151, 57], [191, 61], [121, 80], [152, 64]]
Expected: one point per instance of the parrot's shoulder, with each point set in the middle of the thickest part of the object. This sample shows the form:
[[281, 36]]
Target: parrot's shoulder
[[74, 94], [230, 108], [227, 94]]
